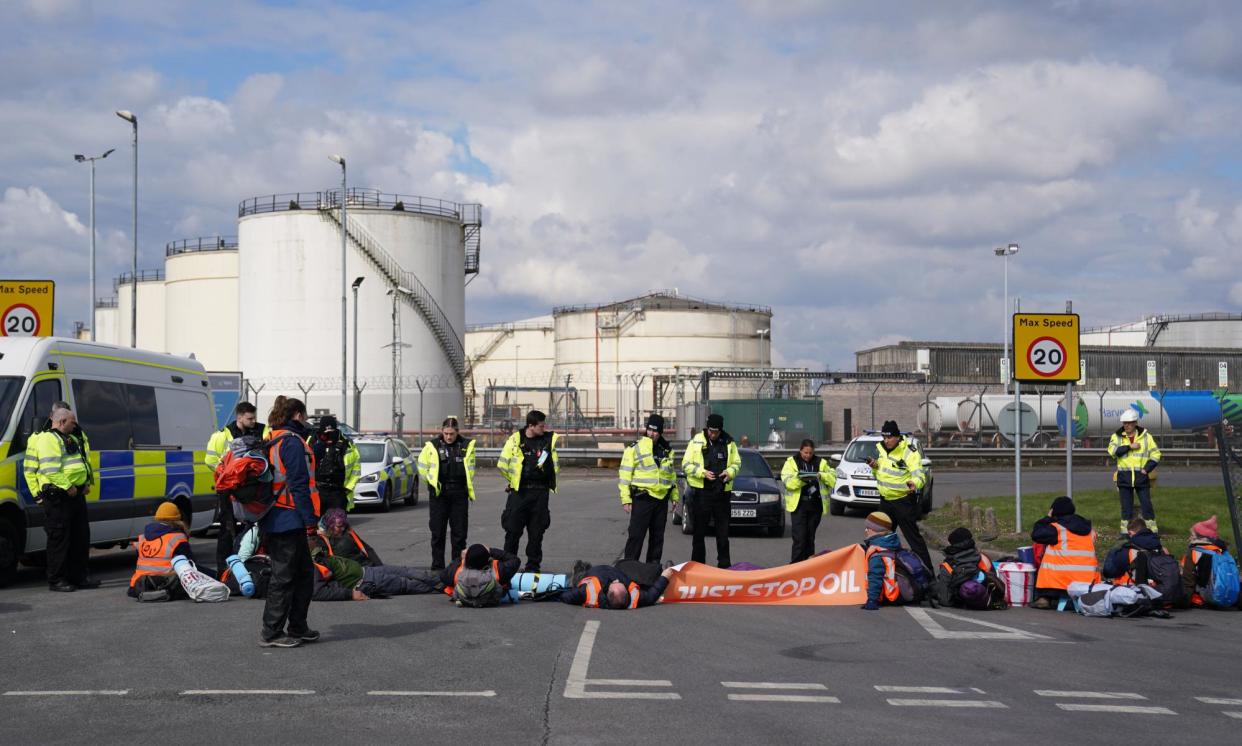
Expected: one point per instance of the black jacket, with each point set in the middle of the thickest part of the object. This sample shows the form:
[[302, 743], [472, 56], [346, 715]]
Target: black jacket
[[509, 565], [1117, 563], [606, 574], [1045, 533], [345, 546]]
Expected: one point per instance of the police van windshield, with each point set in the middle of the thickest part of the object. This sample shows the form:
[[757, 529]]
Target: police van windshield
[[370, 453], [10, 390]]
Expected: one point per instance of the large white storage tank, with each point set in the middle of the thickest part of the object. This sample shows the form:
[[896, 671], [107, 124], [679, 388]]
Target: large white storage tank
[[200, 287], [514, 353], [106, 321], [151, 310], [601, 346], [290, 292]]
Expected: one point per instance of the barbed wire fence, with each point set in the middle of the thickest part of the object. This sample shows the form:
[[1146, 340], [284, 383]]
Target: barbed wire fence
[[1229, 445]]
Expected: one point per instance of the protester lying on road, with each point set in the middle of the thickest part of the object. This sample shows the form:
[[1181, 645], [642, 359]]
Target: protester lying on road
[[1069, 555], [967, 577], [480, 576], [341, 579], [608, 587]]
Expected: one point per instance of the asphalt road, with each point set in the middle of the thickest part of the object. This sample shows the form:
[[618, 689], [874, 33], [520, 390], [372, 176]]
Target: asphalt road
[[96, 665]]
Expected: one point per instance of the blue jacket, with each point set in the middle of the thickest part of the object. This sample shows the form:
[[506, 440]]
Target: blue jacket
[[297, 476], [1117, 563], [875, 565]]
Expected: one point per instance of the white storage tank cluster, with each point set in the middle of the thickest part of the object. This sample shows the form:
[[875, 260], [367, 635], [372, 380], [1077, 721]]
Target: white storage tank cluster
[[151, 313], [106, 320], [200, 286], [509, 353], [1209, 330]]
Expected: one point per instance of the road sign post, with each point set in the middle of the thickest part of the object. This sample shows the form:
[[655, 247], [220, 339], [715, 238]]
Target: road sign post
[[1046, 350], [26, 308]]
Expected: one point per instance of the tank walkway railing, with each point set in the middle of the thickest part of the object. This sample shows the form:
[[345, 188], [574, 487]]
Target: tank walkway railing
[[205, 243], [419, 297], [144, 275]]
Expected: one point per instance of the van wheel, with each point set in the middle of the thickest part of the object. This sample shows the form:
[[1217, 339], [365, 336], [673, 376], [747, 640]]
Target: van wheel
[[387, 504], [836, 508], [8, 551]]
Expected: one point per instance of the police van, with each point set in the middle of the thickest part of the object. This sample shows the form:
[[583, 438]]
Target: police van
[[148, 417]]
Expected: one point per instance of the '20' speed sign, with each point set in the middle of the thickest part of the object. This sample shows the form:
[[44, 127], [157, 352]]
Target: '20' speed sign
[[1046, 356], [1045, 347]]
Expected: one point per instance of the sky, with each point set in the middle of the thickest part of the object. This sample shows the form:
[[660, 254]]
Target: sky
[[852, 165]]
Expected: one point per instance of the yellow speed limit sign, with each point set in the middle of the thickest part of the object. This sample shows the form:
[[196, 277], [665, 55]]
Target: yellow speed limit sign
[[26, 308], [1045, 347]]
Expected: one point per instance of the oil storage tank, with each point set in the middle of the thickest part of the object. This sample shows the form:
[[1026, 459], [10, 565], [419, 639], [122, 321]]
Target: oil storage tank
[[409, 256], [151, 311], [200, 300]]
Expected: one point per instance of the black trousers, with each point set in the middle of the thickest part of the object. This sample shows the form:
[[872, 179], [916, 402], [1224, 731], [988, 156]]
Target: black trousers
[[226, 540], [1127, 494], [332, 496], [905, 513], [68, 537], [449, 509], [648, 516], [292, 585], [711, 504], [805, 520], [526, 510]]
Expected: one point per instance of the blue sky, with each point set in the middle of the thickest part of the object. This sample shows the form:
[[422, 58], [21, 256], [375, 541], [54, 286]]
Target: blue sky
[[849, 165]]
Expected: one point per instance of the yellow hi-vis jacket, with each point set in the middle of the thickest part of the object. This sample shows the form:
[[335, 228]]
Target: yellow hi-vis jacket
[[793, 483], [894, 468], [692, 461], [1143, 454], [640, 471], [429, 464], [510, 461], [48, 461]]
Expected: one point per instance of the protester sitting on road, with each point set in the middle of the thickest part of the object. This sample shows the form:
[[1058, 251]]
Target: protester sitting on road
[[344, 541], [1119, 564], [607, 587], [341, 579], [1069, 555], [162, 539], [1204, 542], [879, 537], [478, 557], [967, 577]]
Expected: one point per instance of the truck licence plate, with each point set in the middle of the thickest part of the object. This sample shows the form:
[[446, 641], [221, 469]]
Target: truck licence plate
[[743, 513]]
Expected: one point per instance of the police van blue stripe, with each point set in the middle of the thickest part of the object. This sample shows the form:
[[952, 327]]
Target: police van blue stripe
[[179, 473], [116, 475]]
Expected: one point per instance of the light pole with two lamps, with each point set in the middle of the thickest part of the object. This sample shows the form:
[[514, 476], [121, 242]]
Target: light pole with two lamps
[[83, 159]]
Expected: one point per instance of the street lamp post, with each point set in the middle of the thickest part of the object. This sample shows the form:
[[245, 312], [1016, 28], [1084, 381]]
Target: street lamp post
[[84, 159], [357, 391], [344, 312], [133, 301], [1005, 252]]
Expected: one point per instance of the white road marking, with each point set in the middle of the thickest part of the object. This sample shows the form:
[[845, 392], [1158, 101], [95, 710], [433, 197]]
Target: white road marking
[[784, 698], [1237, 715], [70, 693], [947, 703], [928, 690], [1001, 632], [578, 681], [1127, 709], [484, 693], [770, 685], [1219, 701], [216, 692], [1090, 695]]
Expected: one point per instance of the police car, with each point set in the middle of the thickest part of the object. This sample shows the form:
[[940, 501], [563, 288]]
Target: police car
[[389, 472], [856, 487]]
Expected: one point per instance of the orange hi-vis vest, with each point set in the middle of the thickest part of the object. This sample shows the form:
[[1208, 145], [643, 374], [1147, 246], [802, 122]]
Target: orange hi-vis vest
[[1125, 578], [892, 591], [1072, 559], [595, 589], [280, 487], [327, 543], [448, 590], [155, 555]]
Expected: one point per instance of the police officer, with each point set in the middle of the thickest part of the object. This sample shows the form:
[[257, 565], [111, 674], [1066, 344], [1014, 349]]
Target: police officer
[[60, 481], [648, 482], [529, 463], [1137, 457], [898, 470], [711, 462], [337, 465], [245, 422], [446, 466], [808, 480]]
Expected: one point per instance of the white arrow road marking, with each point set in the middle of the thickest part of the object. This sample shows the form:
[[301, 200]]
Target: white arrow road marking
[[937, 630], [577, 682]]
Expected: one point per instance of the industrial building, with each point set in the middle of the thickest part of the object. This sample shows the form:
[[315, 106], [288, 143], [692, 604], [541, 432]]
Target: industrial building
[[267, 303]]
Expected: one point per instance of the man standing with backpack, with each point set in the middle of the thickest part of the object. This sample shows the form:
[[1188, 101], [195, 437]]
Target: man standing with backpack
[[245, 423], [337, 465], [1209, 572], [529, 463]]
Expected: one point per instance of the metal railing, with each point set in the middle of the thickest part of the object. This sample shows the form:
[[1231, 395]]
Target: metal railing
[[505, 326], [144, 275], [360, 197], [205, 243], [106, 302]]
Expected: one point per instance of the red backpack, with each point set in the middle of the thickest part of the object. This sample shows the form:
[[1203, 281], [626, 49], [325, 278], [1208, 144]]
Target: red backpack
[[244, 475]]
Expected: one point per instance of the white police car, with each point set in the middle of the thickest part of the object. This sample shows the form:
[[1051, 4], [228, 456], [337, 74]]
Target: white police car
[[389, 473], [856, 486]]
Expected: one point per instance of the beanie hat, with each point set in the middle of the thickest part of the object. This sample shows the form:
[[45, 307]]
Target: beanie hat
[[715, 421], [334, 518], [890, 428], [1062, 506], [880, 522], [960, 535], [168, 511], [477, 556], [1207, 529], [656, 422], [328, 422]]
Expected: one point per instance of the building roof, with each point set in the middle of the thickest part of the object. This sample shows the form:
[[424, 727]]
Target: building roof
[[663, 300]]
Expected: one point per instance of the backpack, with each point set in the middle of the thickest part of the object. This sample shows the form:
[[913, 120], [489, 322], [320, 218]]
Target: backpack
[[1222, 588], [1160, 571], [330, 469], [244, 475], [1125, 601], [913, 579], [476, 588]]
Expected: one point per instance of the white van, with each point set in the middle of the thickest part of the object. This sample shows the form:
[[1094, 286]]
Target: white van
[[148, 417]]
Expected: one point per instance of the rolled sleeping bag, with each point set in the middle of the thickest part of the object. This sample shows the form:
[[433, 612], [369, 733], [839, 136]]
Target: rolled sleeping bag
[[536, 582], [244, 581]]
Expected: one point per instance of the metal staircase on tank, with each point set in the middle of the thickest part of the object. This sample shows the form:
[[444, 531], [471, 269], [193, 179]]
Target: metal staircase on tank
[[479, 357], [471, 235], [419, 298]]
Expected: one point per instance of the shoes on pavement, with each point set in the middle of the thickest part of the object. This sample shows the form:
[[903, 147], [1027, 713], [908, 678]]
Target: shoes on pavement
[[62, 587], [308, 635], [283, 641], [1043, 602]]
